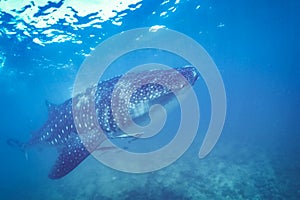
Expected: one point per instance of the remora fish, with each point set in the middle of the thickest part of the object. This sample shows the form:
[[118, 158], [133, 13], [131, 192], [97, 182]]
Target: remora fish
[[92, 109]]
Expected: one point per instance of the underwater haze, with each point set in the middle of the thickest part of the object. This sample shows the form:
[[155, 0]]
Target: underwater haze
[[255, 46]]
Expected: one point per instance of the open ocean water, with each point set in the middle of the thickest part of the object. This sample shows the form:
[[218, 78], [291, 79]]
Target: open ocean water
[[255, 46]]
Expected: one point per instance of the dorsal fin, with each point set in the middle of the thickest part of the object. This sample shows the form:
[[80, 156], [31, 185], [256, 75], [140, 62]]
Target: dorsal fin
[[52, 108]]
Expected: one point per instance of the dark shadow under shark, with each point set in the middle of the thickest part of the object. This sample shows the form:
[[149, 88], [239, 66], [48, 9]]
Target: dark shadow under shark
[[65, 121]]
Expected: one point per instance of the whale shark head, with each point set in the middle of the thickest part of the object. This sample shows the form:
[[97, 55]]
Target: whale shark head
[[156, 86]]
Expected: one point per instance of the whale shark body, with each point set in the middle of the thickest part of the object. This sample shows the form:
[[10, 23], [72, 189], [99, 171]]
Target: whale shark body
[[81, 124]]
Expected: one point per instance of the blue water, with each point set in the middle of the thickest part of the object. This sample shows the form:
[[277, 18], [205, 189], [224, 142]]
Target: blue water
[[255, 46]]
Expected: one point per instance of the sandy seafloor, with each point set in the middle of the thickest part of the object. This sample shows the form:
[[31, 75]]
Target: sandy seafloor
[[238, 171]]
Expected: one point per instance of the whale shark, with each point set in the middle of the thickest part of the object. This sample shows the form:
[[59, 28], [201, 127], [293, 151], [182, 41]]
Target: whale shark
[[81, 124]]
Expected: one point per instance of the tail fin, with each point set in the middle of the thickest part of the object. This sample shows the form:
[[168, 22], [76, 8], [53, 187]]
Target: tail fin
[[18, 144]]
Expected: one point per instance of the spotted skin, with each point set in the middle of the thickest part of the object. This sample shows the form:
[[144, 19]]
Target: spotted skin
[[99, 112]]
